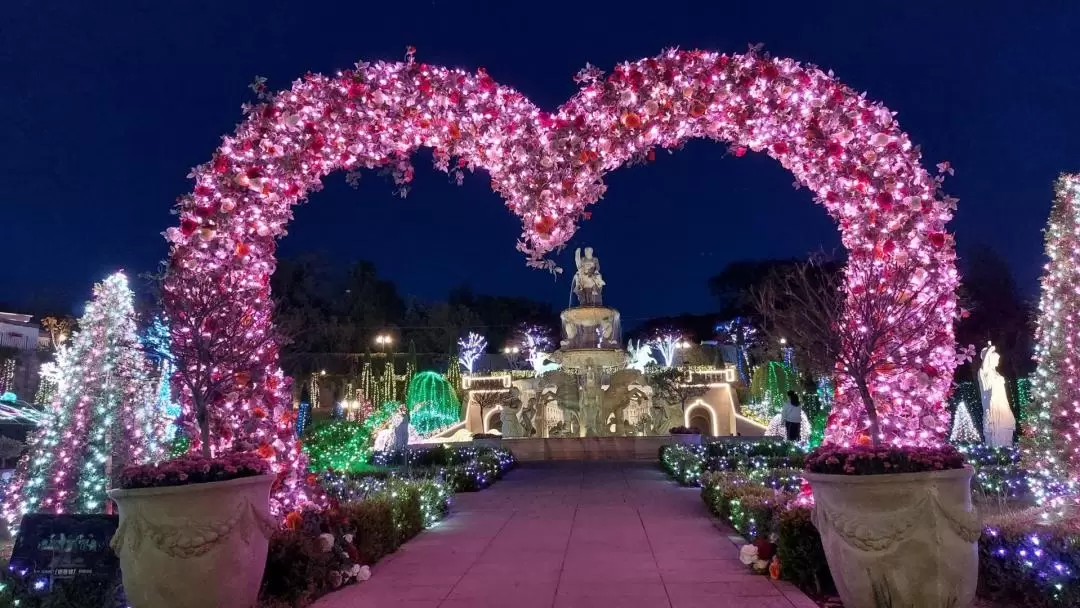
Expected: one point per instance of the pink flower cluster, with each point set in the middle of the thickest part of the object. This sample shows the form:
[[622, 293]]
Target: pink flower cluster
[[193, 469], [869, 460]]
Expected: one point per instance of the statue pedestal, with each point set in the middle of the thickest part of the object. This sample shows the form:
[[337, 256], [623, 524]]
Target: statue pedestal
[[591, 327]]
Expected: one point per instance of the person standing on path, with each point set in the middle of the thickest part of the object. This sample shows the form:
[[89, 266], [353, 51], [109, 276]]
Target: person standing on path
[[792, 416]]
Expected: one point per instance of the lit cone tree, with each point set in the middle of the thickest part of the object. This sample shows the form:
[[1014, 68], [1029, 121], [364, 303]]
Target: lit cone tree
[[104, 415], [963, 428], [1051, 441]]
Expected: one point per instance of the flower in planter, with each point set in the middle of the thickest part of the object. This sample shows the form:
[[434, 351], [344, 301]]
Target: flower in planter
[[193, 469], [882, 460], [364, 573], [326, 542], [336, 579]]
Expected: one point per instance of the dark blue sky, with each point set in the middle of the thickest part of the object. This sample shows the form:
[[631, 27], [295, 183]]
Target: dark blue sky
[[107, 105]]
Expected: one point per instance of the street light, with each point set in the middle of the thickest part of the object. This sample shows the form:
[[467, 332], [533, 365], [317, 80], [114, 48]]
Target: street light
[[384, 341]]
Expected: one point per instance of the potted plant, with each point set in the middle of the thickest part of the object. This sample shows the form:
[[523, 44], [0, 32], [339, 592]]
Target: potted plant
[[685, 435], [897, 524], [194, 531]]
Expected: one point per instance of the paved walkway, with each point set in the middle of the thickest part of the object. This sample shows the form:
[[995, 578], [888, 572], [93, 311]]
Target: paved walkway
[[569, 535]]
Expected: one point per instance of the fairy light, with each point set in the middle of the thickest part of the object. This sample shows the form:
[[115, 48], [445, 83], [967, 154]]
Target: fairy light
[[549, 167], [1051, 441], [432, 402], [963, 429], [469, 350], [105, 415]]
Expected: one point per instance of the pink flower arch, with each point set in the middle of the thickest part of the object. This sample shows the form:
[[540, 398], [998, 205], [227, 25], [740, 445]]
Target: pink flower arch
[[549, 167]]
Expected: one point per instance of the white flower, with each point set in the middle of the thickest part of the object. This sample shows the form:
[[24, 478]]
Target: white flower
[[348, 538], [748, 554], [364, 573], [336, 579], [326, 542]]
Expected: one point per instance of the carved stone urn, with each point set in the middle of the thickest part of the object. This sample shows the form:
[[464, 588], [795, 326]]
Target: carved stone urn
[[196, 545], [909, 539]]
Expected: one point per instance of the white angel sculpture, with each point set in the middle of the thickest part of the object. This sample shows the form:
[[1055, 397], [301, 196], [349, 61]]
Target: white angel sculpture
[[999, 424]]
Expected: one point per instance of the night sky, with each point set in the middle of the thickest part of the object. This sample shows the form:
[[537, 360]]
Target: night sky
[[107, 105]]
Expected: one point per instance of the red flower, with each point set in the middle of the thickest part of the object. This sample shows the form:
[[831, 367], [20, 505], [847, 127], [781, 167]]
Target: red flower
[[544, 225], [293, 520], [937, 239], [188, 226], [884, 201], [780, 147], [265, 451], [259, 413]]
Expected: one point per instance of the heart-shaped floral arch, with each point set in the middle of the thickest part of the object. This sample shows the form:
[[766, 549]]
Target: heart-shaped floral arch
[[548, 167]]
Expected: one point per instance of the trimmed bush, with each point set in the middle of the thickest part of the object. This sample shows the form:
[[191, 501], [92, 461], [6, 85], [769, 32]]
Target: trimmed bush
[[1027, 565], [798, 546]]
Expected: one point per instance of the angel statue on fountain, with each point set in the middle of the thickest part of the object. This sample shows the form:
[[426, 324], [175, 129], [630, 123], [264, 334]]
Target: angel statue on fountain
[[587, 281]]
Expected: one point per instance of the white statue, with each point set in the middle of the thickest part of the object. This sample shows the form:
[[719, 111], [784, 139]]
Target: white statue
[[999, 424], [588, 283], [640, 355], [540, 363]]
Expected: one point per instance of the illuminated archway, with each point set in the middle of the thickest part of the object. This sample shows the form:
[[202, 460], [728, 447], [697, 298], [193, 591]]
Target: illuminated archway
[[847, 150], [710, 414], [497, 410]]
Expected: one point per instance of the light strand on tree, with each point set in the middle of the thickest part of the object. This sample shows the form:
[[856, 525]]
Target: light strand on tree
[[469, 350], [1051, 442], [104, 414]]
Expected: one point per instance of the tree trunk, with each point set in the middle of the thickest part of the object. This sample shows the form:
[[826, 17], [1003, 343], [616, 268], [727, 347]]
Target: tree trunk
[[203, 418], [871, 411]]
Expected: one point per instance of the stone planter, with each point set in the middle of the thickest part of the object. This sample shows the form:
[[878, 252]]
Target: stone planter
[[194, 546], [909, 539], [487, 442]]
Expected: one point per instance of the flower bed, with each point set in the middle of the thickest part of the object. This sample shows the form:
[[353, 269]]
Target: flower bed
[[1021, 563], [320, 551], [997, 471], [686, 464], [760, 510], [373, 511]]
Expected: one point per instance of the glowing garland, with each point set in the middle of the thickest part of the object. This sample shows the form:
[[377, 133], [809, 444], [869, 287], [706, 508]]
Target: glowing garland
[[7, 375], [432, 402], [1051, 440], [105, 415], [549, 167]]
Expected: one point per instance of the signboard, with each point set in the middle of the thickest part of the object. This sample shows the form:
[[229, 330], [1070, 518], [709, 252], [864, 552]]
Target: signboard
[[66, 546]]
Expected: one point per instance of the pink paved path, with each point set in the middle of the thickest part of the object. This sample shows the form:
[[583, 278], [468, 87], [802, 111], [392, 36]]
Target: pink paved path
[[562, 535]]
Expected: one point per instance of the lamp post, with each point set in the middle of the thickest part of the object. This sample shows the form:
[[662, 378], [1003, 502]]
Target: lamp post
[[384, 342], [512, 354]]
